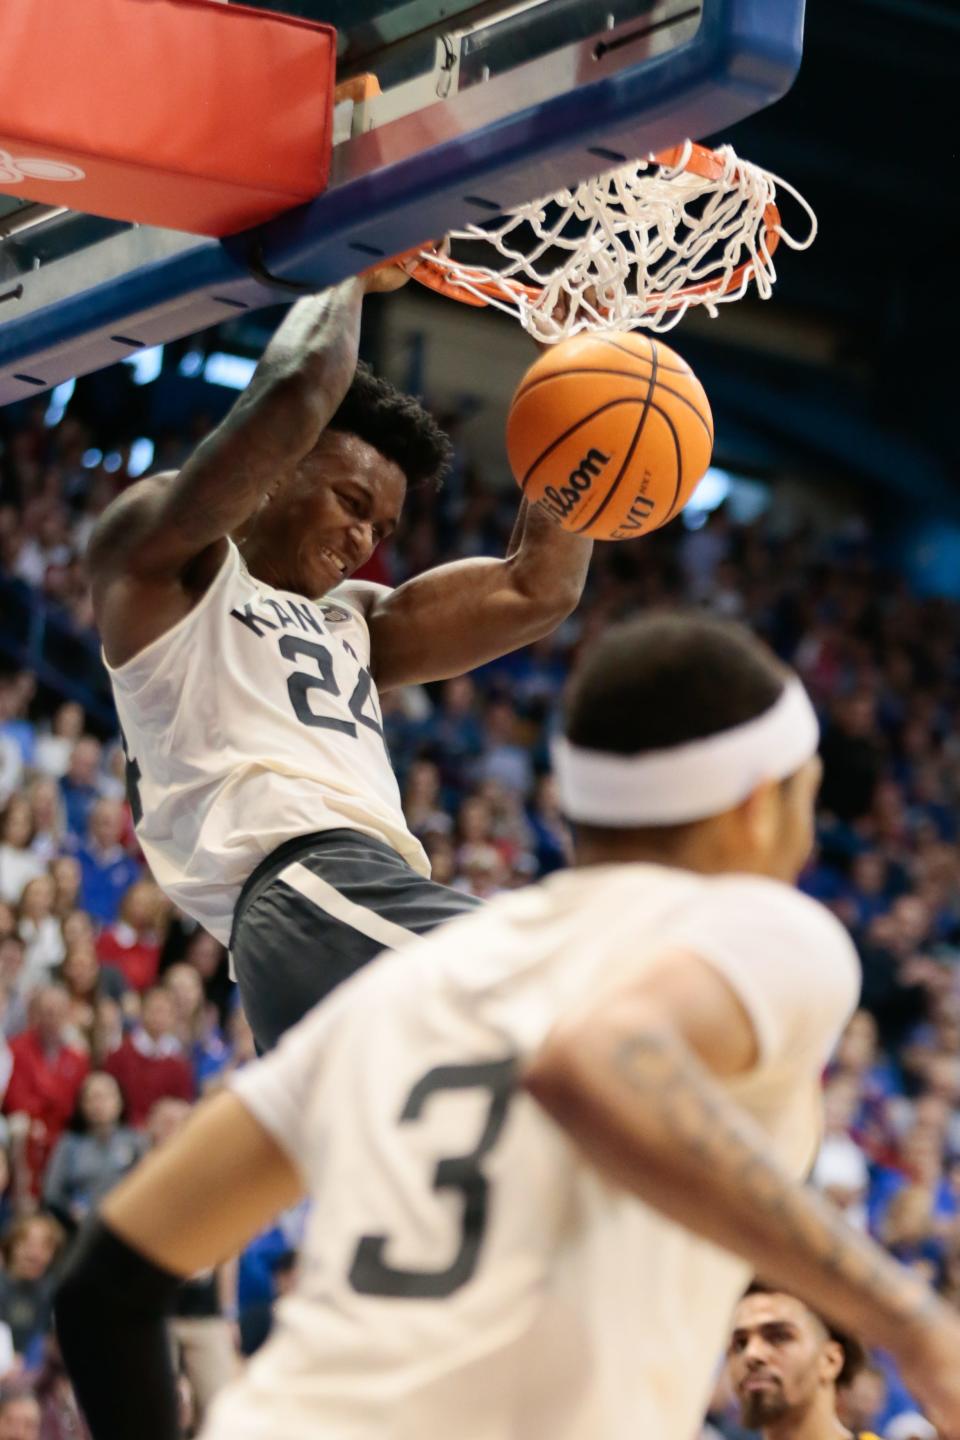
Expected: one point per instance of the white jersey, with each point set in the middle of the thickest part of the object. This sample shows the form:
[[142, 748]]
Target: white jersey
[[252, 721], [465, 1272]]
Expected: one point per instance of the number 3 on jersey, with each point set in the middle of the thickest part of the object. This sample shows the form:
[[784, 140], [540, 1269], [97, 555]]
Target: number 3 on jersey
[[370, 1273], [302, 682]]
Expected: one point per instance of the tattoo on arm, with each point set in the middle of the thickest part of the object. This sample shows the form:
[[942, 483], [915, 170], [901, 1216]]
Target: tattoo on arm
[[788, 1231]]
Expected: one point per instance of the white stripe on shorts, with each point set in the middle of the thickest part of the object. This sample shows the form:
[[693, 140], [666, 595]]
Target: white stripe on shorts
[[358, 917]]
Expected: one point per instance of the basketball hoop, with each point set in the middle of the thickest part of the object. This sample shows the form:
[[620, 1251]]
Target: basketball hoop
[[635, 247]]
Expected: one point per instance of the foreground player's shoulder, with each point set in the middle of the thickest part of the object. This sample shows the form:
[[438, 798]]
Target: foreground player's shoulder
[[774, 903], [789, 958]]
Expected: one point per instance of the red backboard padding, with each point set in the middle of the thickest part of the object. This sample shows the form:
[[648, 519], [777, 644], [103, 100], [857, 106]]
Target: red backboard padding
[[188, 114]]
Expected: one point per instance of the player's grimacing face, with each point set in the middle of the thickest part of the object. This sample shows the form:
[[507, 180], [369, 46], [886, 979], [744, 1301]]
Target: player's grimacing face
[[345, 499]]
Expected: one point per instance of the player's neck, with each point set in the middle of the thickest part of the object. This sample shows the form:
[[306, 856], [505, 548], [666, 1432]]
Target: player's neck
[[701, 848], [819, 1422], [260, 563]]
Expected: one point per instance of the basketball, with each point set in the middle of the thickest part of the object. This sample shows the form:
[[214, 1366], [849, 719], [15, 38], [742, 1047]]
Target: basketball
[[611, 434]]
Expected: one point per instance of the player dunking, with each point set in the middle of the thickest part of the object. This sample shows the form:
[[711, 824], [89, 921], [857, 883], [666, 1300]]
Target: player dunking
[[547, 1144], [263, 795]]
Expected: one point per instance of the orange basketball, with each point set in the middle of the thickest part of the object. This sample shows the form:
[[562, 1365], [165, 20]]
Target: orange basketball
[[610, 433]]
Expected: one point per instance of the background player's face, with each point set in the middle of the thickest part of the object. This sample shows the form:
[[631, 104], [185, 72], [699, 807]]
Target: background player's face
[[779, 1359], [326, 521]]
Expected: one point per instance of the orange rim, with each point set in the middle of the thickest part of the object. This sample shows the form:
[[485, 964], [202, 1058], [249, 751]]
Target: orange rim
[[423, 267]]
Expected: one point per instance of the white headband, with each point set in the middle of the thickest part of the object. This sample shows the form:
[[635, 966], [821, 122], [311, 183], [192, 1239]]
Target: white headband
[[691, 781]]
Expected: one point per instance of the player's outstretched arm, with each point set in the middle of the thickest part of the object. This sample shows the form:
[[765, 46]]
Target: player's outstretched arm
[[458, 616], [632, 1084], [187, 1207], [157, 547]]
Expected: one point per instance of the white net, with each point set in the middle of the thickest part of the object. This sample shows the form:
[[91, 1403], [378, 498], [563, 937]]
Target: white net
[[634, 247]]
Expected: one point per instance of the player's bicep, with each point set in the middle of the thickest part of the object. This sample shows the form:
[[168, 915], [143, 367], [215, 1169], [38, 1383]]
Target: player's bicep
[[201, 1197], [449, 620]]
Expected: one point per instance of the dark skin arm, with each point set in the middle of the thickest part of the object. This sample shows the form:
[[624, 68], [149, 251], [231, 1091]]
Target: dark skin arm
[[458, 616], [156, 549], [634, 1083]]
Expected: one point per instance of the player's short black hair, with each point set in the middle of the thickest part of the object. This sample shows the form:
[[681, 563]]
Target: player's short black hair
[[854, 1353], [395, 424], [664, 679]]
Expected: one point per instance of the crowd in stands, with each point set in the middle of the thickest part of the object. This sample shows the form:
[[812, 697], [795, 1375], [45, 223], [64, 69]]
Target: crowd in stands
[[117, 1013]]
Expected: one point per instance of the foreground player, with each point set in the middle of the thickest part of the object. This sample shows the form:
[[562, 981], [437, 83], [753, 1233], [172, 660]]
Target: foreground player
[[786, 1365], [260, 783], [511, 1130]]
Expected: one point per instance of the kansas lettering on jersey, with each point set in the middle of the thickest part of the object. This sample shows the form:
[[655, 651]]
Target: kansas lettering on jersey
[[464, 1272], [253, 720]]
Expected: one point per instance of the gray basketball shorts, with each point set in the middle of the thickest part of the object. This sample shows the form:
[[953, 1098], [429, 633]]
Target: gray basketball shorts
[[315, 911]]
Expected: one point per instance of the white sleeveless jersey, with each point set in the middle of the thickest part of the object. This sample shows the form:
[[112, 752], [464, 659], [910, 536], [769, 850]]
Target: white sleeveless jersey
[[465, 1273], [252, 721]]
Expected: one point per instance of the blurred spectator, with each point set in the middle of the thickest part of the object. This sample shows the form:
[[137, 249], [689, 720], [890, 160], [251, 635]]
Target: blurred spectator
[[29, 1249], [11, 756], [918, 1165], [13, 989], [197, 1023], [106, 870], [39, 929], [54, 747], [48, 546], [80, 785], [454, 732], [20, 1416], [851, 757], [166, 1117], [131, 944], [49, 820], [482, 871], [505, 758], [150, 1064], [20, 690], [106, 1034], [46, 1077], [18, 863], [96, 1153], [87, 982], [65, 873], [552, 838], [422, 805], [862, 1403], [208, 958], [842, 1174]]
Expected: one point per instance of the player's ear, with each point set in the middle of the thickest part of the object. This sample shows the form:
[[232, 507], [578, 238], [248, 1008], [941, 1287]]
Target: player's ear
[[758, 819], [831, 1361]]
